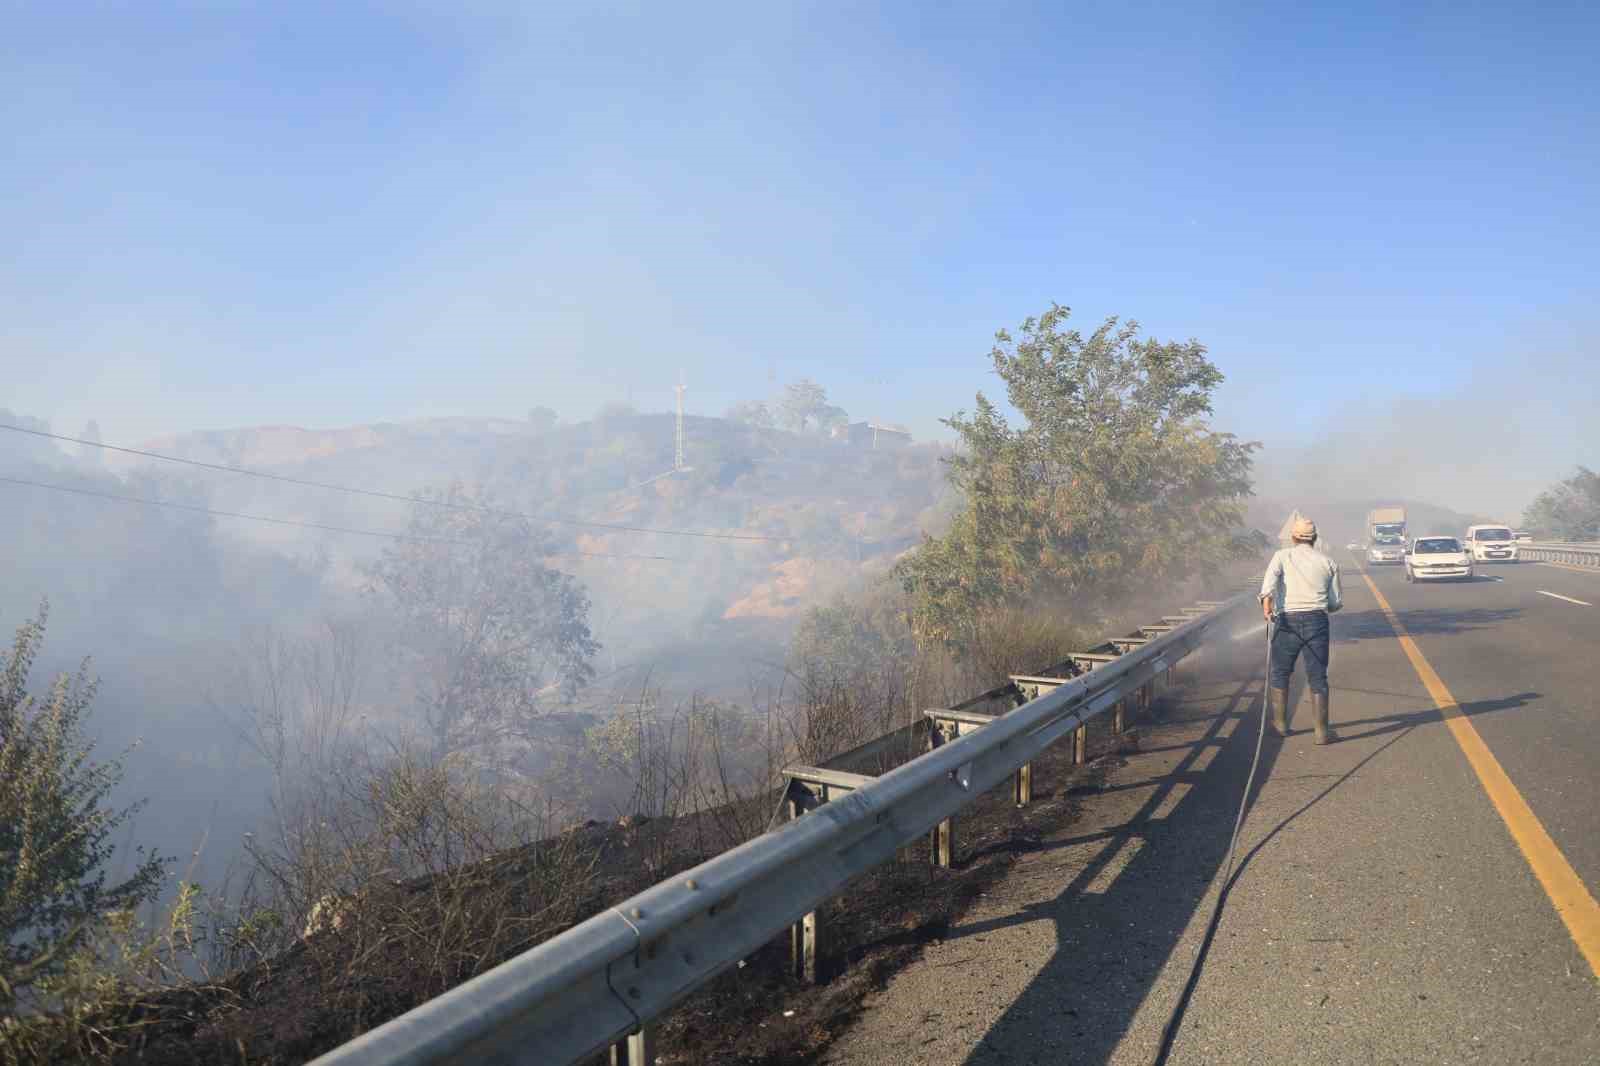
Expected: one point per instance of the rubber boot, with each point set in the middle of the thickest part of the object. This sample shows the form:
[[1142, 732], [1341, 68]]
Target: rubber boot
[[1319, 714], [1279, 698]]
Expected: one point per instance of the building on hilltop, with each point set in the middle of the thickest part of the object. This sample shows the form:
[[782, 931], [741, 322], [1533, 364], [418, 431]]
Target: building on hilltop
[[872, 435]]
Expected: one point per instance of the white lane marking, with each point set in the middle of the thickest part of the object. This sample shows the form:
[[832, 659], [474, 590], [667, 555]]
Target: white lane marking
[[1558, 596]]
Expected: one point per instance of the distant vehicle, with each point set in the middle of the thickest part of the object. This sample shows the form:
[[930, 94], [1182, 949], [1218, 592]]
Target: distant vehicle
[[1491, 544], [1523, 537], [1436, 558], [1355, 547], [1386, 535]]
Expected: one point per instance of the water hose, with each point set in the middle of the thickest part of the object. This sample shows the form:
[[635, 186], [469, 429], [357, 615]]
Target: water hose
[[1169, 1032]]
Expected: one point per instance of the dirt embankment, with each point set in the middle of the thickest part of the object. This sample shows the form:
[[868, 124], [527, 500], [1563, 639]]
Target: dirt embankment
[[342, 981]]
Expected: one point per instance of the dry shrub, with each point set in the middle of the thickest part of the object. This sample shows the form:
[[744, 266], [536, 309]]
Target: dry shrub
[[699, 773], [418, 880], [1022, 641], [852, 670], [832, 715], [414, 882]]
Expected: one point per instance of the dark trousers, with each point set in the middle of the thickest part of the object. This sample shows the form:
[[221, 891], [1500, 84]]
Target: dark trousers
[[1301, 631]]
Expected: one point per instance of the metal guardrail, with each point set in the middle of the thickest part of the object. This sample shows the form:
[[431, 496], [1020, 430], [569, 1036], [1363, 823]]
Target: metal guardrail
[[607, 978], [1551, 552]]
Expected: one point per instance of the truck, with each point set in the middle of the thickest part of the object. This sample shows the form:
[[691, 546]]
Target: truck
[[1386, 535]]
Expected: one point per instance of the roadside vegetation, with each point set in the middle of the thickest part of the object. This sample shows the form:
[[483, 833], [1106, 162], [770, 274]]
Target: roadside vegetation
[[1114, 484], [59, 905], [1568, 510], [433, 795]]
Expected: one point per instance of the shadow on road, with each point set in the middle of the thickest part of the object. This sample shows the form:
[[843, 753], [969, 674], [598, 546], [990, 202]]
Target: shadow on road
[[1352, 626], [1204, 950], [1113, 942], [1391, 723]]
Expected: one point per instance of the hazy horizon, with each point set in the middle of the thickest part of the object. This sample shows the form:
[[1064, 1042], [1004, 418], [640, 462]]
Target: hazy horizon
[[226, 217], [220, 219]]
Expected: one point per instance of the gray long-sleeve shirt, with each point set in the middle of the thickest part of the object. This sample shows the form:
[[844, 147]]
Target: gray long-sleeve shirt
[[1302, 579]]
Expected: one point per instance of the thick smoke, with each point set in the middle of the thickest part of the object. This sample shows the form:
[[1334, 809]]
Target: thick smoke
[[1484, 446]]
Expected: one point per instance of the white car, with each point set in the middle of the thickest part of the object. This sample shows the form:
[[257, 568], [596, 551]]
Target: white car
[[1436, 558], [1491, 544], [1354, 547], [1394, 552]]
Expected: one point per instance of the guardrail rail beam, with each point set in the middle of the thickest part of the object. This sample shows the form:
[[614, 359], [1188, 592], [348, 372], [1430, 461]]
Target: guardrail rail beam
[[610, 977]]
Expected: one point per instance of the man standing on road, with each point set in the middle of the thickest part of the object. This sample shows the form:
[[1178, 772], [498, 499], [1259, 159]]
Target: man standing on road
[[1302, 588]]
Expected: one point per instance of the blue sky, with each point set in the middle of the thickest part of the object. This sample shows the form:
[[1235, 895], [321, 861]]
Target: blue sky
[[231, 214]]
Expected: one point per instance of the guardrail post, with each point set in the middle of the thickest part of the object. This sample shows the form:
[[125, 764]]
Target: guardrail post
[[1080, 744], [1029, 687], [638, 1050], [947, 725], [804, 949], [1119, 717], [942, 839], [810, 787], [803, 934]]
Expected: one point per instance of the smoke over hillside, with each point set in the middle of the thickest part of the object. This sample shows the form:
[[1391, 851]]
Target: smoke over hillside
[[1485, 445], [172, 604], [175, 606]]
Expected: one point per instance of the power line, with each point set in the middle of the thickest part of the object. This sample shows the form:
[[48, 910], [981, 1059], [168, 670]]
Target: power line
[[292, 522], [556, 520]]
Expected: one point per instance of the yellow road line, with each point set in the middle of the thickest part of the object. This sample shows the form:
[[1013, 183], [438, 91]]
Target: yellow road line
[[1561, 882]]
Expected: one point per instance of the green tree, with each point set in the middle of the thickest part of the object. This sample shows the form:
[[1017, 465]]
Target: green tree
[[1569, 510], [543, 419], [1114, 480], [853, 640], [828, 416], [805, 402], [488, 631], [55, 826], [752, 413]]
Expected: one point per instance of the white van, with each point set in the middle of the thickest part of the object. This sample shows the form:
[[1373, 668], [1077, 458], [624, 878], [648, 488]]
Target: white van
[[1491, 544]]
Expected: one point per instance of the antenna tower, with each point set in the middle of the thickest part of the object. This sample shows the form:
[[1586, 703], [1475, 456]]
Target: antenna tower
[[678, 463]]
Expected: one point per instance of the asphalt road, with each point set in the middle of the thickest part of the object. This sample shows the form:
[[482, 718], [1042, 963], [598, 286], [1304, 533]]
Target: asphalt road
[[1525, 666], [1383, 913]]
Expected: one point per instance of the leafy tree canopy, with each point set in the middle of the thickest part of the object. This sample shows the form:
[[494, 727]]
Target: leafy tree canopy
[[1569, 510], [1115, 480], [805, 402], [543, 419], [55, 827], [829, 416], [492, 633]]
